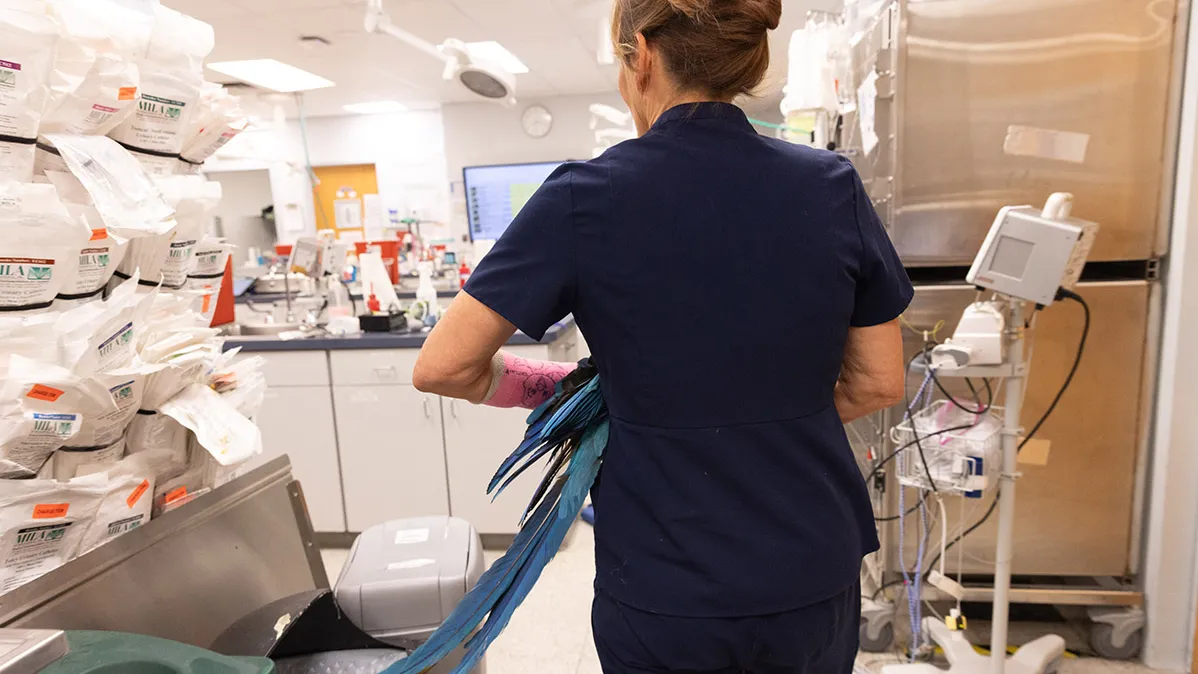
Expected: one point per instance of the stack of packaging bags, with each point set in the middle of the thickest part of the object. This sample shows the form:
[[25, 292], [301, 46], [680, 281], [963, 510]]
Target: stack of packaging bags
[[117, 403]]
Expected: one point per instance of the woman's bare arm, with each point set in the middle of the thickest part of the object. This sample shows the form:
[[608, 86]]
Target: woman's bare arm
[[871, 374], [456, 359]]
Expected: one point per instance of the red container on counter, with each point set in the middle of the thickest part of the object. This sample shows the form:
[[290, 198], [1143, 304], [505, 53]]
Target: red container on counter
[[390, 251]]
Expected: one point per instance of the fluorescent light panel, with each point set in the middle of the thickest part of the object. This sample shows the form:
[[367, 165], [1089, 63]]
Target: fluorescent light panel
[[375, 107], [496, 53], [272, 74]]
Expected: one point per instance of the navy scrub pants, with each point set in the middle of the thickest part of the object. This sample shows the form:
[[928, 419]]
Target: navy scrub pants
[[817, 639]]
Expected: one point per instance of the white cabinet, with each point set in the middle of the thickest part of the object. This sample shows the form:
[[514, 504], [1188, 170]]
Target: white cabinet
[[298, 421], [392, 453], [477, 440]]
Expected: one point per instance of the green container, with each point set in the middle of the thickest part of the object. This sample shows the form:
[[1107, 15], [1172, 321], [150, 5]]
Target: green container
[[119, 653]]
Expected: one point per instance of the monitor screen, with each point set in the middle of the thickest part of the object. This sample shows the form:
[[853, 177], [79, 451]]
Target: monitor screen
[[495, 194]]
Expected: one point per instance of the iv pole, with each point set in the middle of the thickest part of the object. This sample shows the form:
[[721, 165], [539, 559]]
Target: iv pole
[[1044, 655]]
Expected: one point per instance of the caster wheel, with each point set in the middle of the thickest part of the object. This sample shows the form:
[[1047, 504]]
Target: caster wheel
[[881, 643], [1102, 640]]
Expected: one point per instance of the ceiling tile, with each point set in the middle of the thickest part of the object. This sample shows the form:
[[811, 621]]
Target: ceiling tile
[[276, 6], [556, 38], [340, 20]]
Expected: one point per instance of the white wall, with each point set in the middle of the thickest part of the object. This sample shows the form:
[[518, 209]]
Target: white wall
[[243, 196], [478, 134], [407, 150]]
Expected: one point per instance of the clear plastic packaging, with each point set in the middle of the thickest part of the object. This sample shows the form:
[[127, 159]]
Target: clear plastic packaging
[[227, 435], [171, 77], [158, 432], [127, 200], [193, 199], [42, 524], [207, 276], [220, 120], [128, 500], [102, 336], [39, 245], [26, 60], [68, 464], [115, 37]]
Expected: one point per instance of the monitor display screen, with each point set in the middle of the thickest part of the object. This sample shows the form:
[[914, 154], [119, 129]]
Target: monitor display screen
[[495, 194]]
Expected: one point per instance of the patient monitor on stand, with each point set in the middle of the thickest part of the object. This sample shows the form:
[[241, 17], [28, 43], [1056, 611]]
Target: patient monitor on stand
[[1029, 255]]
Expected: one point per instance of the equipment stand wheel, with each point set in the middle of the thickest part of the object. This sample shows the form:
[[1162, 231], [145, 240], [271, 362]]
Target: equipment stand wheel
[[1118, 634], [876, 639], [877, 626]]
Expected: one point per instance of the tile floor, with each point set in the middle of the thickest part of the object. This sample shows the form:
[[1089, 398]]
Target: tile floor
[[551, 633]]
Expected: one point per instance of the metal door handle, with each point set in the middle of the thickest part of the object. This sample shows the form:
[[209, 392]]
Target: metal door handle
[[427, 412], [385, 372], [453, 408]]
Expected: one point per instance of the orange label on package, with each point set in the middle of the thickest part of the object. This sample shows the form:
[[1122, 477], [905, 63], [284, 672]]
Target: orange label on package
[[137, 493], [43, 392], [49, 511], [175, 495], [126, 93], [99, 234]]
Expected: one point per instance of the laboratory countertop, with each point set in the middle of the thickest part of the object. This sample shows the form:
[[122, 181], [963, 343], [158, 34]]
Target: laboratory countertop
[[373, 340]]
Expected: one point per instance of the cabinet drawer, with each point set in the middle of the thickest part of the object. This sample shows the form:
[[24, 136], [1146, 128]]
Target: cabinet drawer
[[392, 454], [375, 366], [294, 368]]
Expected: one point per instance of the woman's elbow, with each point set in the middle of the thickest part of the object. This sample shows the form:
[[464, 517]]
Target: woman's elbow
[[429, 376], [890, 392]]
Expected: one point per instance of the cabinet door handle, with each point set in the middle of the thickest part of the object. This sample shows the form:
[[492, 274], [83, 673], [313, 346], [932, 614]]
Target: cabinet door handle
[[428, 412], [453, 408], [386, 372]]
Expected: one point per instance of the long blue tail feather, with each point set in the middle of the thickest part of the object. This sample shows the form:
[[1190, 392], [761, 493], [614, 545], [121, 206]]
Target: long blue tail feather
[[471, 611], [583, 469], [572, 429]]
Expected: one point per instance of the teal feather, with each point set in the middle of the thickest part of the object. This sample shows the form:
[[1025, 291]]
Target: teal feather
[[572, 429]]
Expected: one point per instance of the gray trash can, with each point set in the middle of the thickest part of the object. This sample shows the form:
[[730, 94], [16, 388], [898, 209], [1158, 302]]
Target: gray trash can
[[404, 577]]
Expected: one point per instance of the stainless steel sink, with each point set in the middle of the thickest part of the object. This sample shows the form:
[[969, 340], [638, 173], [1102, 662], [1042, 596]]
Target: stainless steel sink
[[267, 329]]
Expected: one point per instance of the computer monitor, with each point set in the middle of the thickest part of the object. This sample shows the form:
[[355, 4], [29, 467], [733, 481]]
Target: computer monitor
[[495, 194]]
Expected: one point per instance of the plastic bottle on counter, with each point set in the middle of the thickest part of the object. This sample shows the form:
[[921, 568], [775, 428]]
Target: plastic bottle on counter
[[463, 275], [340, 303]]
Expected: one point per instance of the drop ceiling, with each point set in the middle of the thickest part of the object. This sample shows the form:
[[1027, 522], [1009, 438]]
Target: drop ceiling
[[557, 39]]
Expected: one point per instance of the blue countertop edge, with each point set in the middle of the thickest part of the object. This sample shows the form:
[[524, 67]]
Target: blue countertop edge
[[373, 340]]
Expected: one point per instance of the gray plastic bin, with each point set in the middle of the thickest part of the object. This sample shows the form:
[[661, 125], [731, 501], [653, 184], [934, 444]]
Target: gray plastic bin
[[403, 578]]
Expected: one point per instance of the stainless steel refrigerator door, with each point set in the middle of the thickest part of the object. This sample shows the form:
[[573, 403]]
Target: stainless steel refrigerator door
[[1066, 80], [1076, 514]]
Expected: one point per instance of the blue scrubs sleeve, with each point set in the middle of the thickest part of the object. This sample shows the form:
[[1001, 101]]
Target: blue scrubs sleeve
[[883, 288], [529, 276]]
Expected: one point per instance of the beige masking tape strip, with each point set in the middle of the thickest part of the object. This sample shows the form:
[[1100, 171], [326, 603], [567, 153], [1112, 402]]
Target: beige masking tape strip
[[1035, 453], [1027, 141]]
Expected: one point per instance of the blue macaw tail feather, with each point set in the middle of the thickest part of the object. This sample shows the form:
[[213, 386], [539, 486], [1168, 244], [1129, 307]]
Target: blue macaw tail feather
[[478, 602], [572, 428], [577, 481]]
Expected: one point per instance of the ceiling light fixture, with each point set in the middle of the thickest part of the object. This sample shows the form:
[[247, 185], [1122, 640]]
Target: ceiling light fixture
[[482, 76], [496, 53], [376, 107], [272, 74]]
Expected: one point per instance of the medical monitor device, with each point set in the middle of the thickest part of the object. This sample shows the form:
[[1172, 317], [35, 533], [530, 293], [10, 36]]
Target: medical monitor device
[[310, 256], [495, 195], [1029, 255]]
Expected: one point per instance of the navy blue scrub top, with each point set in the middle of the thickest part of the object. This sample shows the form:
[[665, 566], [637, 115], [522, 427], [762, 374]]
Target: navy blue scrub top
[[715, 274]]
